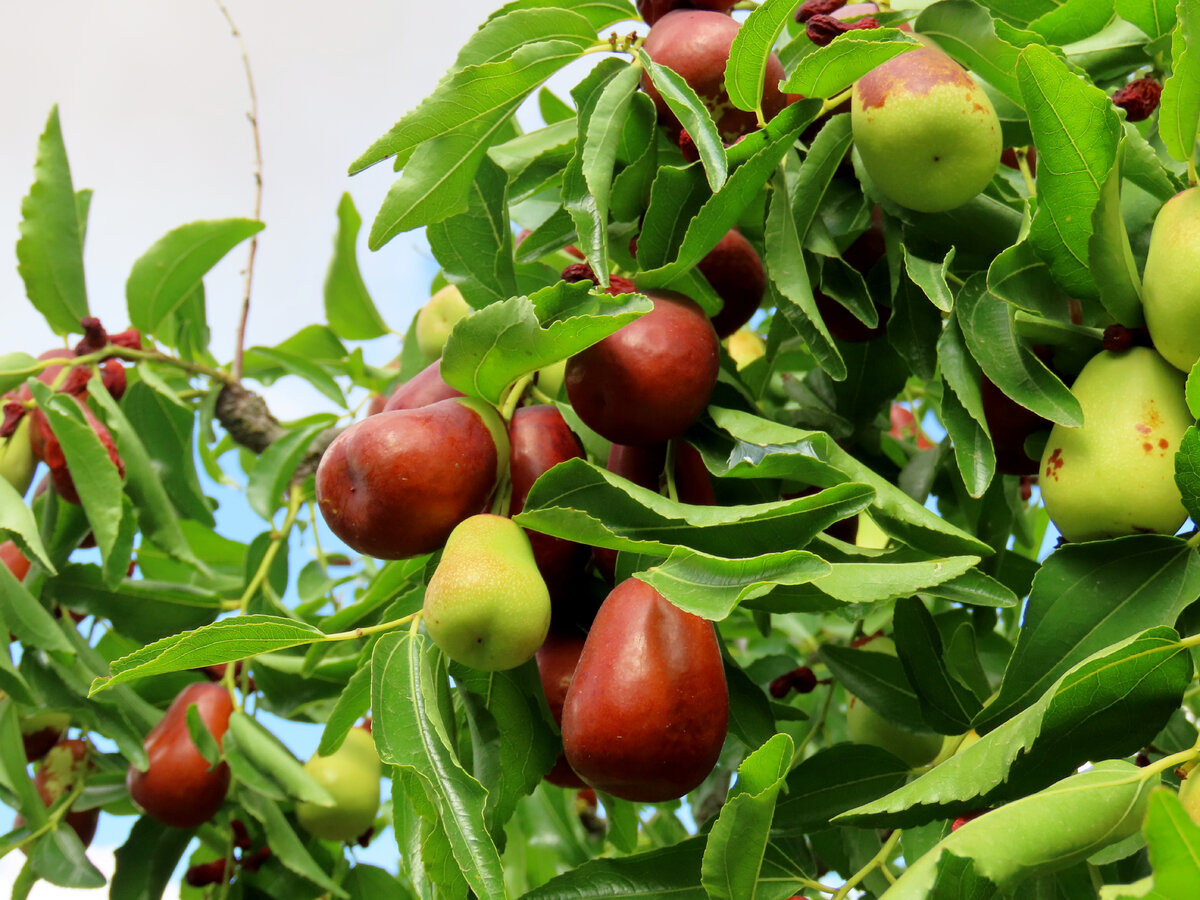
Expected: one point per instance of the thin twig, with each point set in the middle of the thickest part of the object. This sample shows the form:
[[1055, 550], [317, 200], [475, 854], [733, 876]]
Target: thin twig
[[252, 116]]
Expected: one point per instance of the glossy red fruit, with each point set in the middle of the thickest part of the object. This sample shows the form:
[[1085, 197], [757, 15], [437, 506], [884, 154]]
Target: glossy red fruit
[[736, 273], [540, 439], [64, 766], [653, 10], [695, 44], [693, 484], [556, 662], [16, 561], [1010, 424], [40, 732], [423, 389], [178, 788], [394, 485], [648, 708], [652, 379], [47, 448]]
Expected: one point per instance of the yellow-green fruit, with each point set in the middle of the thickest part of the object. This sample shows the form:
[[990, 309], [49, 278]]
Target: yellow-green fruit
[[437, 319], [1189, 794], [926, 131], [1170, 288], [487, 606], [865, 726], [1115, 474], [351, 776], [550, 378], [745, 346], [16, 458]]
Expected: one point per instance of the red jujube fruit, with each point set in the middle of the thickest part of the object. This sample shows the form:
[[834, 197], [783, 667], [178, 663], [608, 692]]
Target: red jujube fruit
[[556, 662], [648, 707], [180, 788]]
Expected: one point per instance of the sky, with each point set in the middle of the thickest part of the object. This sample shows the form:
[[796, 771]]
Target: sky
[[153, 104]]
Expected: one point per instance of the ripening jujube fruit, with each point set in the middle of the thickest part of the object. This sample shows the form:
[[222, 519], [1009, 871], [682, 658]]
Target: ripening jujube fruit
[[395, 484], [424, 388], [650, 380], [556, 661], [736, 273], [351, 776], [64, 766], [437, 318], [927, 133], [1115, 474], [695, 44], [486, 605], [648, 708], [866, 726], [180, 788], [653, 10], [1170, 289]]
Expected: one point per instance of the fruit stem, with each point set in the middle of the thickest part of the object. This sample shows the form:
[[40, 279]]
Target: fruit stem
[[835, 101], [540, 396], [878, 861], [513, 399], [1023, 165], [672, 490], [278, 538], [412, 618], [1193, 179]]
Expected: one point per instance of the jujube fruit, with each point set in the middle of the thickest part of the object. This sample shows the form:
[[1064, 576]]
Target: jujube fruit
[[486, 605], [351, 776], [653, 10], [1115, 474], [423, 389], [394, 485], [42, 731], [650, 380], [62, 769], [927, 133], [180, 788], [736, 273], [695, 44], [556, 661], [437, 319], [1170, 288], [648, 708]]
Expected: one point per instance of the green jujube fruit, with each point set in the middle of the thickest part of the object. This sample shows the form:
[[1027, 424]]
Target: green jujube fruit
[[351, 776], [487, 605], [865, 726], [16, 457], [1170, 288], [927, 133], [1044, 832], [437, 319], [1115, 475]]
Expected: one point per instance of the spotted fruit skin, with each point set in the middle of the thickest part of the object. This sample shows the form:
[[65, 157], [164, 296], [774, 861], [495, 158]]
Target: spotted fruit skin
[[1115, 475], [180, 788], [927, 133], [1170, 290]]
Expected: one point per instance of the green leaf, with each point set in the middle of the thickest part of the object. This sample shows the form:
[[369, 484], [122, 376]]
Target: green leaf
[[223, 641], [834, 780], [147, 860], [695, 117], [14, 369], [962, 409], [285, 845], [600, 13], [475, 248], [1076, 131], [831, 69], [712, 587], [930, 277], [1111, 257], [266, 490], [273, 759], [492, 348], [1174, 842], [50, 246], [27, 618], [293, 364], [1107, 706], [164, 276], [670, 872], [13, 763], [1086, 597], [746, 70], [1154, 17], [410, 732], [733, 854], [1179, 111], [1073, 20], [516, 24], [965, 31], [1187, 470], [947, 705], [879, 680], [987, 325], [59, 858], [348, 306], [352, 704], [580, 501]]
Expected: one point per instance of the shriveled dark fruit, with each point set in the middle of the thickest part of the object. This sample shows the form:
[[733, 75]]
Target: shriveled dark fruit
[[1010, 424], [556, 661], [422, 389], [180, 788], [736, 273], [47, 448], [1139, 98], [394, 485], [41, 731], [650, 380], [60, 771], [695, 44], [17, 562], [540, 439], [214, 871], [648, 708], [653, 10]]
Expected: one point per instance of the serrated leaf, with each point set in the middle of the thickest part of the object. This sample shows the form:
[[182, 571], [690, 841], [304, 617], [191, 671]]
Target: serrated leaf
[[349, 309], [165, 275], [492, 348], [695, 117], [223, 641], [834, 780], [1076, 131], [50, 246], [930, 277], [947, 705], [746, 69], [1187, 470], [831, 69], [285, 844], [1179, 110], [966, 32]]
